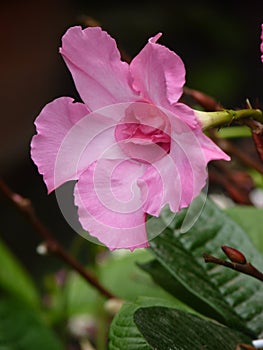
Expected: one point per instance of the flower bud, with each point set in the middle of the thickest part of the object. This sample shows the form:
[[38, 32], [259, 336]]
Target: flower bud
[[234, 255]]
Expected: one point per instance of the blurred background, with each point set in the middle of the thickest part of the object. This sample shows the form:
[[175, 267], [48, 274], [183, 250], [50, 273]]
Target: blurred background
[[217, 40]]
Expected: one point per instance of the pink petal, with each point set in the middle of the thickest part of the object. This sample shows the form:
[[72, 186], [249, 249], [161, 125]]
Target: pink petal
[[185, 113], [158, 73], [53, 124], [69, 139], [143, 133], [172, 180], [261, 45], [100, 76], [160, 185], [210, 149], [109, 204], [179, 177]]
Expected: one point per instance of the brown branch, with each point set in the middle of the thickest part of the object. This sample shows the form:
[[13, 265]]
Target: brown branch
[[258, 141], [242, 266], [257, 132], [237, 190], [204, 100], [24, 206], [230, 149], [245, 347], [243, 157]]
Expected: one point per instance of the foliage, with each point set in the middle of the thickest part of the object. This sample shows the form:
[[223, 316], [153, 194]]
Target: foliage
[[224, 295], [172, 296]]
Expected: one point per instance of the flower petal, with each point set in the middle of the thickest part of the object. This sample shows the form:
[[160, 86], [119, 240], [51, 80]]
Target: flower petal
[[100, 76], [210, 149], [158, 73], [70, 138], [160, 185], [53, 124], [109, 204], [186, 114], [179, 177]]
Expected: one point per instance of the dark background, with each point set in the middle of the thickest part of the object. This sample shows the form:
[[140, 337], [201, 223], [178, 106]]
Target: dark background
[[217, 40]]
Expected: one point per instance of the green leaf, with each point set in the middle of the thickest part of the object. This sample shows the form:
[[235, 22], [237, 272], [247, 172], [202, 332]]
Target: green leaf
[[251, 220], [80, 297], [116, 268], [122, 267], [234, 131], [124, 335], [14, 279], [231, 298], [164, 279], [21, 329], [257, 177], [119, 273], [165, 328]]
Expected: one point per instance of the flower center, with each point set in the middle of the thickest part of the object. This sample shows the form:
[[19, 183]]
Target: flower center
[[144, 133]]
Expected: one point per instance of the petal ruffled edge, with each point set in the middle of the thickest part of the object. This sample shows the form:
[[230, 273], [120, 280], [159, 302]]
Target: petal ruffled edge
[[53, 123], [94, 61], [158, 73], [118, 226]]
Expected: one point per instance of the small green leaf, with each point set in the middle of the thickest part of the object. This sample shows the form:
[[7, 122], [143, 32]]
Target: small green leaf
[[124, 335], [21, 329], [165, 328], [231, 298], [14, 279], [234, 132]]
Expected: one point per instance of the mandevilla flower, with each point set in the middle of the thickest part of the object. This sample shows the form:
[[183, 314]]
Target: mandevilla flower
[[131, 146]]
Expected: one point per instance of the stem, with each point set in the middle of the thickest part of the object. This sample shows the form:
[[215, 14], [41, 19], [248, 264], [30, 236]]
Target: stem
[[246, 268], [226, 116], [238, 194], [258, 141], [204, 100], [232, 150], [25, 207]]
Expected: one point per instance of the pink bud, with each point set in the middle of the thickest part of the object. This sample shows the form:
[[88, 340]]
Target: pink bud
[[234, 255]]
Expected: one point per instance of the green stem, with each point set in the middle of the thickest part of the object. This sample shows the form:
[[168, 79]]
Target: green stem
[[227, 116]]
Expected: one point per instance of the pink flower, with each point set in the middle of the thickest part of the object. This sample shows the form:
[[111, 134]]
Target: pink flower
[[261, 45], [131, 146]]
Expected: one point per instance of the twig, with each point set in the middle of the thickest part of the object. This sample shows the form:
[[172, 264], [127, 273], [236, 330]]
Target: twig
[[244, 347], [204, 100], [257, 132], [258, 141], [238, 194], [238, 262], [232, 150], [237, 183], [247, 268], [25, 207]]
